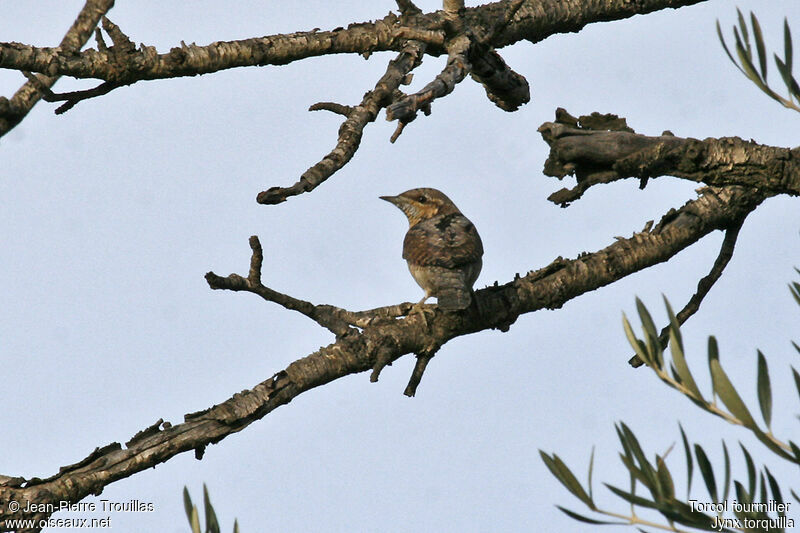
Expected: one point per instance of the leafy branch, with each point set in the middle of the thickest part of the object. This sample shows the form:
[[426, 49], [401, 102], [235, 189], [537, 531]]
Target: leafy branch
[[212, 524], [749, 503], [749, 508], [680, 378], [746, 64]]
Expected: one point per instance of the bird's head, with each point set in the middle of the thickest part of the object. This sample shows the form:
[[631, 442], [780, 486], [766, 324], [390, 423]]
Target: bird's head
[[421, 204]]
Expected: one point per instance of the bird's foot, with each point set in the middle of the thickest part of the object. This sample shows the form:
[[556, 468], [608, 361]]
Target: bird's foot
[[421, 309]]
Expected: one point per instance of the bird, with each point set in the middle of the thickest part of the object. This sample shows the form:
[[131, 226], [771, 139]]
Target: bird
[[442, 247]]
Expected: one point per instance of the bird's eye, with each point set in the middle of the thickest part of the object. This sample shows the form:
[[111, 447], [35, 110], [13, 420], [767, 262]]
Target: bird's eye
[[422, 199]]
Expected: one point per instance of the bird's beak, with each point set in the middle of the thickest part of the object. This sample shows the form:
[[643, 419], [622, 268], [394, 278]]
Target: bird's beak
[[403, 204], [395, 200]]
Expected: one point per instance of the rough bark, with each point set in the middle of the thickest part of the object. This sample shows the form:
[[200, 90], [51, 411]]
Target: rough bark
[[534, 21]]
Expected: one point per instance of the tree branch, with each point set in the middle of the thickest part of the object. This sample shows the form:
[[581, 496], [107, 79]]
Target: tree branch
[[455, 30], [353, 127], [457, 68], [14, 110], [602, 148], [703, 286], [381, 342], [535, 20]]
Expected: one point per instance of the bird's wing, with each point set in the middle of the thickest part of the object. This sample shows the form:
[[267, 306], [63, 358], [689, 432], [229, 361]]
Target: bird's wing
[[449, 241]]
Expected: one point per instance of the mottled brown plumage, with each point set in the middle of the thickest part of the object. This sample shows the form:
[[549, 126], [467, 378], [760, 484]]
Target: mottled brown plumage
[[442, 247]]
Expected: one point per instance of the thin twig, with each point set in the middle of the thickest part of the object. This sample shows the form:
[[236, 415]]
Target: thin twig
[[70, 98], [326, 316], [333, 107], [703, 286], [454, 72], [351, 130], [416, 375]]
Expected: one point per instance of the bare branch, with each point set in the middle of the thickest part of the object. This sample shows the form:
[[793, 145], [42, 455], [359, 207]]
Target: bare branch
[[118, 37], [535, 20], [454, 72], [703, 286], [333, 107], [70, 98], [351, 130], [601, 149], [327, 316], [382, 341], [14, 110], [507, 89], [416, 375]]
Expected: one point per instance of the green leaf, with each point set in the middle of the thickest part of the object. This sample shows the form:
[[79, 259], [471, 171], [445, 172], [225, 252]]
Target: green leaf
[[621, 438], [750, 72], [680, 364], [725, 47], [591, 468], [726, 488], [724, 388], [775, 489], [582, 518], [212, 525], [791, 83], [708, 473], [747, 65], [634, 471], [187, 503], [762, 492], [689, 462], [665, 478], [673, 321], [235, 526], [647, 469], [741, 493], [650, 334], [566, 477], [647, 321], [751, 470], [194, 521], [764, 390], [632, 498], [762, 55], [787, 43], [795, 289], [713, 355], [796, 347], [637, 345], [796, 379], [743, 28], [796, 451]]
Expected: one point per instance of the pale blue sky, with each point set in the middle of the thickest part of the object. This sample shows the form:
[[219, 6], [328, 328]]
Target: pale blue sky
[[114, 211]]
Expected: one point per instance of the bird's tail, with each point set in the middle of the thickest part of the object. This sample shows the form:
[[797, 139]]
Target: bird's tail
[[454, 298]]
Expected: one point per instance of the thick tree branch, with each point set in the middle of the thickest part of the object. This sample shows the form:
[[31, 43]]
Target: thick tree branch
[[382, 341], [14, 110], [470, 37], [535, 20], [601, 149]]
